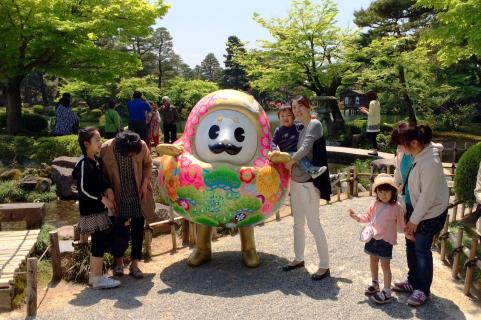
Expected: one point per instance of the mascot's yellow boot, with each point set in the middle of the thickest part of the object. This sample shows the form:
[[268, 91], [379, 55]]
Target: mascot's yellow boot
[[203, 251], [249, 253]]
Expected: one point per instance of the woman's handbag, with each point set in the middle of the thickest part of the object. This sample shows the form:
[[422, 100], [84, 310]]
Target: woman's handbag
[[368, 231]]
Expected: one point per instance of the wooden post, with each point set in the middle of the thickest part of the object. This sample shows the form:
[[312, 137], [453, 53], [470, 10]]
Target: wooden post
[[55, 254], [349, 183], [172, 229], [31, 287], [454, 153], [191, 233], [214, 235], [444, 241], [455, 210], [470, 270], [457, 252], [371, 180], [339, 186], [355, 184], [278, 215], [463, 209], [148, 242], [185, 232]]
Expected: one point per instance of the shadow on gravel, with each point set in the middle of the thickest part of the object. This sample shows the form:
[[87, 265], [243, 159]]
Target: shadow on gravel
[[125, 295], [435, 308], [226, 276]]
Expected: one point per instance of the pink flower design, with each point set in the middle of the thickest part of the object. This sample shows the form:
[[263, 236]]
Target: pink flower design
[[185, 162], [267, 207], [192, 176]]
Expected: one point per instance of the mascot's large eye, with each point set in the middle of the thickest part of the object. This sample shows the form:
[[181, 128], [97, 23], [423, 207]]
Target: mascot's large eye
[[214, 132], [239, 134]]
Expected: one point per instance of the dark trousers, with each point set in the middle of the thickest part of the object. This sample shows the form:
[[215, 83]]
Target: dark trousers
[[418, 253], [121, 234], [99, 240], [139, 127], [372, 138], [170, 132]]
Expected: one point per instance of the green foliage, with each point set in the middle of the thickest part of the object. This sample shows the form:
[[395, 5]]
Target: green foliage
[[384, 143], [33, 123], [10, 191], [466, 173], [210, 68], [455, 34], [90, 93], [234, 76], [29, 122], [43, 149], [184, 94], [96, 113], [38, 109], [43, 239], [446, 119], [147, 86], [307, 50]]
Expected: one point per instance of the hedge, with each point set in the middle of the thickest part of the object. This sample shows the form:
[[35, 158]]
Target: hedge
[[466, 173], [29, 122], [44, 149]]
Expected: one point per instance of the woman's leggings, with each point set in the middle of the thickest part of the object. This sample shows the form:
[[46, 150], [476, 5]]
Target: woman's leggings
[[99, 240], [120, 237]]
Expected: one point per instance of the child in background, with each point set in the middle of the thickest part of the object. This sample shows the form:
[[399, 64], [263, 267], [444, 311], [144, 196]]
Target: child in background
[[154, 126], [93, 201], [385, 214], [286, 137]]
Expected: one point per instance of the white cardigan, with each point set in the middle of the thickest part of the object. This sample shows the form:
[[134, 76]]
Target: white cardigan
[[428, 188]]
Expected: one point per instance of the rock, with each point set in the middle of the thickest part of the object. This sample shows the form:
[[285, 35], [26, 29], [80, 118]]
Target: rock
[[384, 165], [67, 162], [28, 183], [12, 174], [43, 184], [62, 177]]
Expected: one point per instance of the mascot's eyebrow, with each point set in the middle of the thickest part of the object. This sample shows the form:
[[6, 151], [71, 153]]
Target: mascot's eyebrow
[[220, 118], [236, 120]]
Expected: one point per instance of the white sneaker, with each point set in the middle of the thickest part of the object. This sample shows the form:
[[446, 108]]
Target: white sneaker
[[103, 282], [319, 172]]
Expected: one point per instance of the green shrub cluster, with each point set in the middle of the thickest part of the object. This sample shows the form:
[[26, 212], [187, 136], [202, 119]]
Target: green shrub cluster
[[29, 122], [10, 191], [466, 173], [43, 149]]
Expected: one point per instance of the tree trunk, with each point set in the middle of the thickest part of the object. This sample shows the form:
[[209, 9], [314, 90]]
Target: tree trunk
[[14, 104], [406, 98]]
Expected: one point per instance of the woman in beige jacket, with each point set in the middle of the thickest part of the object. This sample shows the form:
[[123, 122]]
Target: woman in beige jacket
[[128, 168]]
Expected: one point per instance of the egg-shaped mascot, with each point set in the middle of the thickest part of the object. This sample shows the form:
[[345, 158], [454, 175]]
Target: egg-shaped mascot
[[218, 174]]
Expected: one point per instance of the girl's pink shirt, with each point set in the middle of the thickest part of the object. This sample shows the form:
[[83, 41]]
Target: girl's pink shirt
[[387, 223]]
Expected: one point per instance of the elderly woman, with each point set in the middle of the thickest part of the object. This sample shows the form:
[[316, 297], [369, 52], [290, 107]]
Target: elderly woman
[[128, 168], [305, 194], [428, 196]]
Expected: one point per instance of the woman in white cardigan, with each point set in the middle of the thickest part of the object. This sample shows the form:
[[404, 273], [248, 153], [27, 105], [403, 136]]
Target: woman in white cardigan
[[429, 196]]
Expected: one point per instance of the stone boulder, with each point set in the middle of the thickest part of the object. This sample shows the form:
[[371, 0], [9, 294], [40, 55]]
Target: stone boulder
[[66, 162], [12, 174], [28, 183], [43, 184], [62, 177]]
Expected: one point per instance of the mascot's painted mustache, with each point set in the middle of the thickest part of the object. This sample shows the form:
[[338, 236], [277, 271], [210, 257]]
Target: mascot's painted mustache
[[218, 175]]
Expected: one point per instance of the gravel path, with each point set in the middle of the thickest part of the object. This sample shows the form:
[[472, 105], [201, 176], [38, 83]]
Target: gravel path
[[224, 289]]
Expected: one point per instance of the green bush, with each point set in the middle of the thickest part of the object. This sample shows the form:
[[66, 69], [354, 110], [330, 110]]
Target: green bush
[[33, 123], [43, 238], [3, 120], [466, 173], [384, 143], [38, 109], [10, 191], [96, 113]]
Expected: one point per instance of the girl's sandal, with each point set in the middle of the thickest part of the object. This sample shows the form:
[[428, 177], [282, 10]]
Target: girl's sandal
[[372, 289], [381, 298], [136, 273]]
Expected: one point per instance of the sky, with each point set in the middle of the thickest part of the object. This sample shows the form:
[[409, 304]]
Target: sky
[[199, 27]]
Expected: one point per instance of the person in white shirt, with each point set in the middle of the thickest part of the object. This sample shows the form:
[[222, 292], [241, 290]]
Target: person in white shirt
[[373, 119]]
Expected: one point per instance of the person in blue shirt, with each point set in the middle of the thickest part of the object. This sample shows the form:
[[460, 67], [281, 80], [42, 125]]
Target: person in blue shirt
[[138, 109]]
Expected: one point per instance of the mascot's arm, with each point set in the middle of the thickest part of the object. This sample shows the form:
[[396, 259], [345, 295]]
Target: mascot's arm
[[278, 157], [170, 149]]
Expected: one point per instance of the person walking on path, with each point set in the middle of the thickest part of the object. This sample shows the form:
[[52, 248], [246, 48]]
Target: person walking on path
[[112, 121], [373, 119], [66, 121], [154, 125], [304, 193], [429, 196], [384, 216], [93, 201], [138, 109], [128, 168], [170, 117]]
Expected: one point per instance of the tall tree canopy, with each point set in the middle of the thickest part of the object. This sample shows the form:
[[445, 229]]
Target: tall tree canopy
[[234, 75], [456, 29], [388, 50], [61, 37], [210, 68], [307, 50]]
